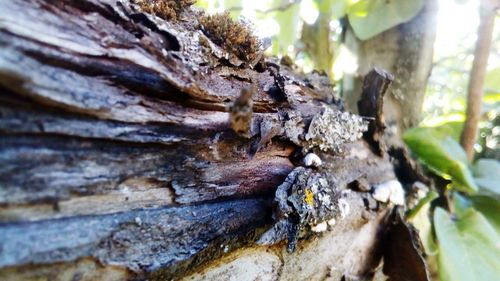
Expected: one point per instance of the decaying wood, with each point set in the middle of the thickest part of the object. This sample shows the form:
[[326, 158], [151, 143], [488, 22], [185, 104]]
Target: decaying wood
[[118, 160], [403, 252], [371, 105]]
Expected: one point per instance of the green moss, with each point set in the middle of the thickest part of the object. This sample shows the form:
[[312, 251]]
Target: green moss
[[165, 9], [233, 36]]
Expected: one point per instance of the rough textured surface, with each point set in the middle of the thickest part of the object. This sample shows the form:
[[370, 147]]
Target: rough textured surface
[[118, 160], [245, 264], [178, 233], [371, 105], [350, 248]]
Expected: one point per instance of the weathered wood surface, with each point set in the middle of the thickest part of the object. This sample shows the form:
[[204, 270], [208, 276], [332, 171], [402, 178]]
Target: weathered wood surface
[[117, 160]]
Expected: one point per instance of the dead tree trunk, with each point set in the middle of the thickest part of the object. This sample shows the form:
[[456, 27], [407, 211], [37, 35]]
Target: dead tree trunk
[[118, 161]]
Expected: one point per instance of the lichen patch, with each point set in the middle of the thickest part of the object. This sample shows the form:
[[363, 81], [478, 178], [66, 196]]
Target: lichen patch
[[331, 129], [305, 199]]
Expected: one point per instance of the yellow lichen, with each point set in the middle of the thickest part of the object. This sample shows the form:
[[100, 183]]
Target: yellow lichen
[[233, 36], [165, 9], [309, 198]]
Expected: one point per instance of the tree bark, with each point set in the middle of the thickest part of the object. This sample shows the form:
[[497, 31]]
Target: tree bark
[[477, 75], [118, 160]]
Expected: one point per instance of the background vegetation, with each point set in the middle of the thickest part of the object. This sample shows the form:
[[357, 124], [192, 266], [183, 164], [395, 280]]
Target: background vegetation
[[459, 219]]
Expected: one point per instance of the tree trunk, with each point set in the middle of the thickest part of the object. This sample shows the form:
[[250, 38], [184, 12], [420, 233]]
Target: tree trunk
[[406, 51], [118, 160]]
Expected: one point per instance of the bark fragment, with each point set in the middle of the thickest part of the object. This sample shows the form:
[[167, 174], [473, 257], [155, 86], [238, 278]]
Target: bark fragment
[[371, 105]]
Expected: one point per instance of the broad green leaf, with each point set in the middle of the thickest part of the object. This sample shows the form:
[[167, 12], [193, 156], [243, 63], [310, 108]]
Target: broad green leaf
[[489, 207], [487, 176], [468, 247], [288, 21], [487, 168], [371, 17], [441, 154], [461, 204], [452, 129], [435, 121], [419, 217]]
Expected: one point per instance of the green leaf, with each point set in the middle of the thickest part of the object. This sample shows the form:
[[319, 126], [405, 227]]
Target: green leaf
[[443, 155], [371, 17], [487, 176], [489, 207], [452, 129], [468, 248], [487, 168], [419, 217], [461, 204]]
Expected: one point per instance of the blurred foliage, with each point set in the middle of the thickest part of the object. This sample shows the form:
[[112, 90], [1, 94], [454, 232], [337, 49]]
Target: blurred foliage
[[466, 236], [370, 17], [467, 246], [443, 155]]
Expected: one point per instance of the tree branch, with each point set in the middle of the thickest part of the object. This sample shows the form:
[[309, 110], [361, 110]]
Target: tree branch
[[477, 76]]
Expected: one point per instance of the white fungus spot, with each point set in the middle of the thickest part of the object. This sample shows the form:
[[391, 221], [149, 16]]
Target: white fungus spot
[[344, 207], [420, 189], [397, 194], [138, 221], [332, 222], [390, 191], [312, 160], [381, 193], [319, 227]]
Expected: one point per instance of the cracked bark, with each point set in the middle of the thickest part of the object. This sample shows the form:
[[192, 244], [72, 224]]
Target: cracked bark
[[118, 161]]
